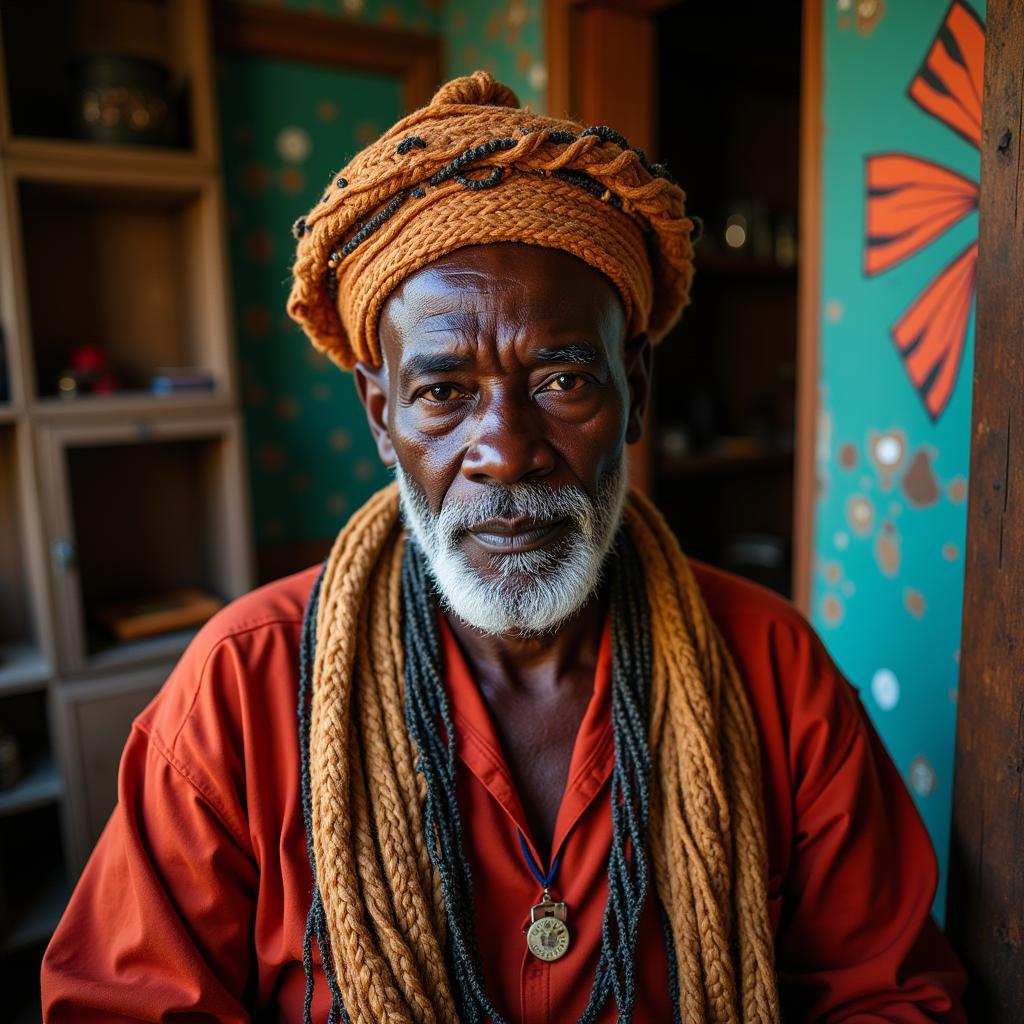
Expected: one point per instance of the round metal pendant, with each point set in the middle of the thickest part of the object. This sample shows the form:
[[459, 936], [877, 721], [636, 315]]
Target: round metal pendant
[[547, 938]]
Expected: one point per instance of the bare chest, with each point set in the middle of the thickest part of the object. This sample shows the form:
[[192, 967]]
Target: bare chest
[[537, 738]]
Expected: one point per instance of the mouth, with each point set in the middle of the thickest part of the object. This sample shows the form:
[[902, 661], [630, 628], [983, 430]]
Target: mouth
[[512, 536]]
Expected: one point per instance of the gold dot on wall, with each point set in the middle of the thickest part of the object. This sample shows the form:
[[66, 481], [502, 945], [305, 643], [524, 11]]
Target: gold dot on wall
[[950, 551], [831, 609], [470, 55], [341, 440], [300, 483], [286, 408], [363, 469], [337, 503], [494, 24], [353, 6], [390, 16], [833, 572], [367, 132], [860, 514], [523, 61], [321, 392], [517, 13], [293, 144], [538, 76], [255, 179], [833, 311], [887, 549], [957, 489], [327, 110], [459, 21], [271, 456], [913, 601], [848, 455], [291, 179]]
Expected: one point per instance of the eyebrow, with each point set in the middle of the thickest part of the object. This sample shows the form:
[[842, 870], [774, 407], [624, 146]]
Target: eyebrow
[[582, 355], [429, 363]]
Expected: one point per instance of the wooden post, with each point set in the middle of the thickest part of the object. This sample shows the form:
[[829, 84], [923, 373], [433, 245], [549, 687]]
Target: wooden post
[[986, 887]]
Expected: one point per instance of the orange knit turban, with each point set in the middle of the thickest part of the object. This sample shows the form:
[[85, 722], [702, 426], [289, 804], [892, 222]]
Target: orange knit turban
[[469, 168]]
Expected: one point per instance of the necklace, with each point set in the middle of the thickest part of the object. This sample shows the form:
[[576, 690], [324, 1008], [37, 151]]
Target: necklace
[[547, 936]]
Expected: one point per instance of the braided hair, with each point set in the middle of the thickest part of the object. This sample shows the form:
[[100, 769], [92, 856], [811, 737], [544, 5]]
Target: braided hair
[[427, 706]]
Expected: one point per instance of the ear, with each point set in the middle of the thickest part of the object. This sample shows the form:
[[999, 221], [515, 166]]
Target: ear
[[639, 357], [372, 388]]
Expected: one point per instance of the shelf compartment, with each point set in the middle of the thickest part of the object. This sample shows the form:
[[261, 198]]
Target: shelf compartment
[[36, 884], [23, 662], [40, 85], [40, 785], [148, 277], [137, 510]]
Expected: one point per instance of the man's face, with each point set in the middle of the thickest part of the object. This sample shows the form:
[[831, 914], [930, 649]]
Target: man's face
[[508, 393]]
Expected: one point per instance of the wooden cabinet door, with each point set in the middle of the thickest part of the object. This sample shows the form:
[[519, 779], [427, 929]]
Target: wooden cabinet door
[[93, 720]]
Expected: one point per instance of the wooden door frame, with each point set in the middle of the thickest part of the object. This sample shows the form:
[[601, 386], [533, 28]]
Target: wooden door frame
[[986, 878], [594, 86]]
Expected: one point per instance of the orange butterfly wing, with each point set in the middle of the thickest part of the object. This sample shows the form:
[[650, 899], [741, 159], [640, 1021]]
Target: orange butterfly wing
[[910, 201], [948, 85], [930, 334]]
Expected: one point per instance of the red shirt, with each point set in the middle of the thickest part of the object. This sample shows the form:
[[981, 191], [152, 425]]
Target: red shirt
[[195, 898]]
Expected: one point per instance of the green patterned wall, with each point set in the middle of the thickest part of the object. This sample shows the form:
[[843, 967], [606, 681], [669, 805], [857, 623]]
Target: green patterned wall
[[286, 127], [902, 118], [504, 37]]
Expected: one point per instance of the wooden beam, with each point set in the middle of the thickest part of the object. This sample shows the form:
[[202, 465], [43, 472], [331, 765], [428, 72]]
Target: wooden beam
[[589, 80], [986, 886], [808, 306], [414, 57]]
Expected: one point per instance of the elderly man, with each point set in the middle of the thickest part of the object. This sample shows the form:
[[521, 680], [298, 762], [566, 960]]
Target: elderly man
[[546, 768]]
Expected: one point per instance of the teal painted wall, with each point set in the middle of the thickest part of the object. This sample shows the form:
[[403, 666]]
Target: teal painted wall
[[285, 129], [891, 472]]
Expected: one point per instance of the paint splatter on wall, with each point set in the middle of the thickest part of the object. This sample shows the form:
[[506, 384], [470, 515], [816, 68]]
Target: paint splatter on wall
[[900, 172]]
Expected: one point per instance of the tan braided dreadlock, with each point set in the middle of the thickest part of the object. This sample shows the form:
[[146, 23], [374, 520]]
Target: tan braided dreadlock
[[383, 915], [388, 911]]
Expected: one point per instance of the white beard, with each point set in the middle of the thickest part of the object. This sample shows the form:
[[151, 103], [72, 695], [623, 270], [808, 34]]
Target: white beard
[[528, 592]]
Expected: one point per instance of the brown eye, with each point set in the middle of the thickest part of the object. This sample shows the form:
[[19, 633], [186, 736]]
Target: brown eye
[[567, 382], [439, 392]]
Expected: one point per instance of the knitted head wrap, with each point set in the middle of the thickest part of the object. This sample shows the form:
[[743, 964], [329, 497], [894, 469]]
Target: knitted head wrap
[[471, 168]]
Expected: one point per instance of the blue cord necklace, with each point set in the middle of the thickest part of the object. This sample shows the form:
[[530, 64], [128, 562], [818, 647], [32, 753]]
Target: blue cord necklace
[[547, 937]]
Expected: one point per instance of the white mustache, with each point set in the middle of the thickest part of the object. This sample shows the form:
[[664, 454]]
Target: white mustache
[[521, 501]]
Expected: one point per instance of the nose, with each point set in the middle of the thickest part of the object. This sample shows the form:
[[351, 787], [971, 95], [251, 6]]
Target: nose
[[508, 443]]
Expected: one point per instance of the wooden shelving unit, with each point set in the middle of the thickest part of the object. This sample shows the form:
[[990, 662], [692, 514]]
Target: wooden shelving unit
[[104, 497]]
